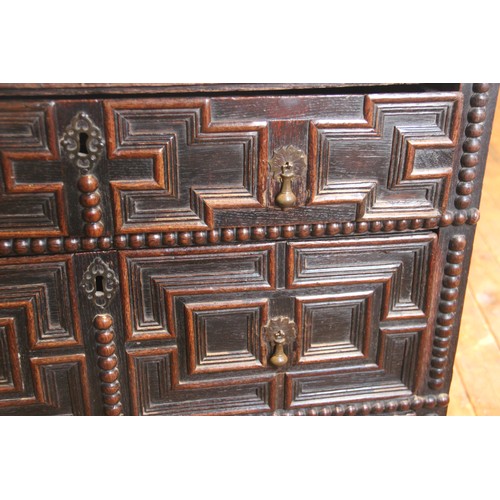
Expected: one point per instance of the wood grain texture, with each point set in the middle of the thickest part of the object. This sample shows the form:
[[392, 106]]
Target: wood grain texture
[[350, 161], [362, 319], [366, 271], [82, 89], [32, 199], [43, 290]]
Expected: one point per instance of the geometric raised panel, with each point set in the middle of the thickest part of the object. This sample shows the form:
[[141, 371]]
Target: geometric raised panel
[[187, 164], [365, 320], [394, 162], [225, 335], [173, 144], [398, 352], [340, 386], [39, 314], [334, 327], [61, 382], [31, 187], [152, 279], [55, 385], [362, 307], [391, 372], [156, 390], [400, 263], [41, 289]]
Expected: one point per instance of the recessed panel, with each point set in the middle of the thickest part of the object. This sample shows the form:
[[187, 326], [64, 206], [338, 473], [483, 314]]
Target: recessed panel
[[225, 335], [334, 327]]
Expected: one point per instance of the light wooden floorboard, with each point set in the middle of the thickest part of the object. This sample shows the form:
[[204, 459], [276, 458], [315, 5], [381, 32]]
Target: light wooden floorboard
[[460, 404], [475, 388]]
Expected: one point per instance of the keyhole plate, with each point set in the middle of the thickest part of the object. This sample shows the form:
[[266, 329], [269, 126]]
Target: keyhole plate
[[82, 142], [100, 283]]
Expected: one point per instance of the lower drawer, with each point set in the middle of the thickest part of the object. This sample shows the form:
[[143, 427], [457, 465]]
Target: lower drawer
[[230, 329], [266, 327]]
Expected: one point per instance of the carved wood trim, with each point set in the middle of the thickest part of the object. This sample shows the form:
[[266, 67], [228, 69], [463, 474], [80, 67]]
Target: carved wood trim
[[42, 145], [447, 310], [163, 289], [471, 147], [12, 382], [46, 385], [201, 129], [379, 407], [407, 140], [108, 365], [142, 401], [55, 273], [44, 390], [39, 246]]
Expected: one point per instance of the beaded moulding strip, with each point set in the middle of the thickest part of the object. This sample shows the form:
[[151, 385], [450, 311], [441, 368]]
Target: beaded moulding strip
[[471, 147], [447, 310], [36, 246], [383, 407]]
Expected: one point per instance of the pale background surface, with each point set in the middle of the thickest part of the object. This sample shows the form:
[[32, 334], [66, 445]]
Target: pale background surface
[[475, 388]]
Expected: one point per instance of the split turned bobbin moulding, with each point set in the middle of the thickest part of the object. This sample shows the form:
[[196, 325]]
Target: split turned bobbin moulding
[[258, 249]]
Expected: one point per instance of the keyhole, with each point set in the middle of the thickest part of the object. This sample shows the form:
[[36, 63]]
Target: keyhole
[[99, 285], [83, 143]]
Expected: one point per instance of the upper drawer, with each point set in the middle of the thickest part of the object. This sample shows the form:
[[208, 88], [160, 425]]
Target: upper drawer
[[196, 163]]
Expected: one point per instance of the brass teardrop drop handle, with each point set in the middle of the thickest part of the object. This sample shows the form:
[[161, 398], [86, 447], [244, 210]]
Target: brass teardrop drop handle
[[279, 332], [279, 358], [286, 198], [287, 163]]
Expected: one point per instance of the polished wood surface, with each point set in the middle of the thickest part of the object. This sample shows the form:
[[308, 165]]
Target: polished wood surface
[[475, 388], [148, 265]]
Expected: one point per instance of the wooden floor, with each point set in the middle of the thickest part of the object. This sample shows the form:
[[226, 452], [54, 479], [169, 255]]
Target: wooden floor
[[475, 389]]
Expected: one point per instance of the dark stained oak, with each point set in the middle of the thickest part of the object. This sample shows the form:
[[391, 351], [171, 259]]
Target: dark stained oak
[[265, 249]]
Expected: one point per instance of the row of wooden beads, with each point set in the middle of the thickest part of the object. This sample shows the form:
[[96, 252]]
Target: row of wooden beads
[[22, 246], [108, 365], [472, 145], [372, 407], [447, 310], [90, 201]]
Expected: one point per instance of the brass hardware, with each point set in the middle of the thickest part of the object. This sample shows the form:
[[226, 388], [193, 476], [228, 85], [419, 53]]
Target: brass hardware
[[100, 283], [82, 142], [287, 163], [279, 332], [286, 198]]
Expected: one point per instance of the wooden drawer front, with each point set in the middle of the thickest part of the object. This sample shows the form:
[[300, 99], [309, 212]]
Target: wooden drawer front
[[43, 367], [362, 308], [188, 164], [93, 168]]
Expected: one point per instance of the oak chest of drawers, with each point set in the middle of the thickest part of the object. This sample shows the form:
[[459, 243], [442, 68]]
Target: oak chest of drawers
[[236, 249]]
